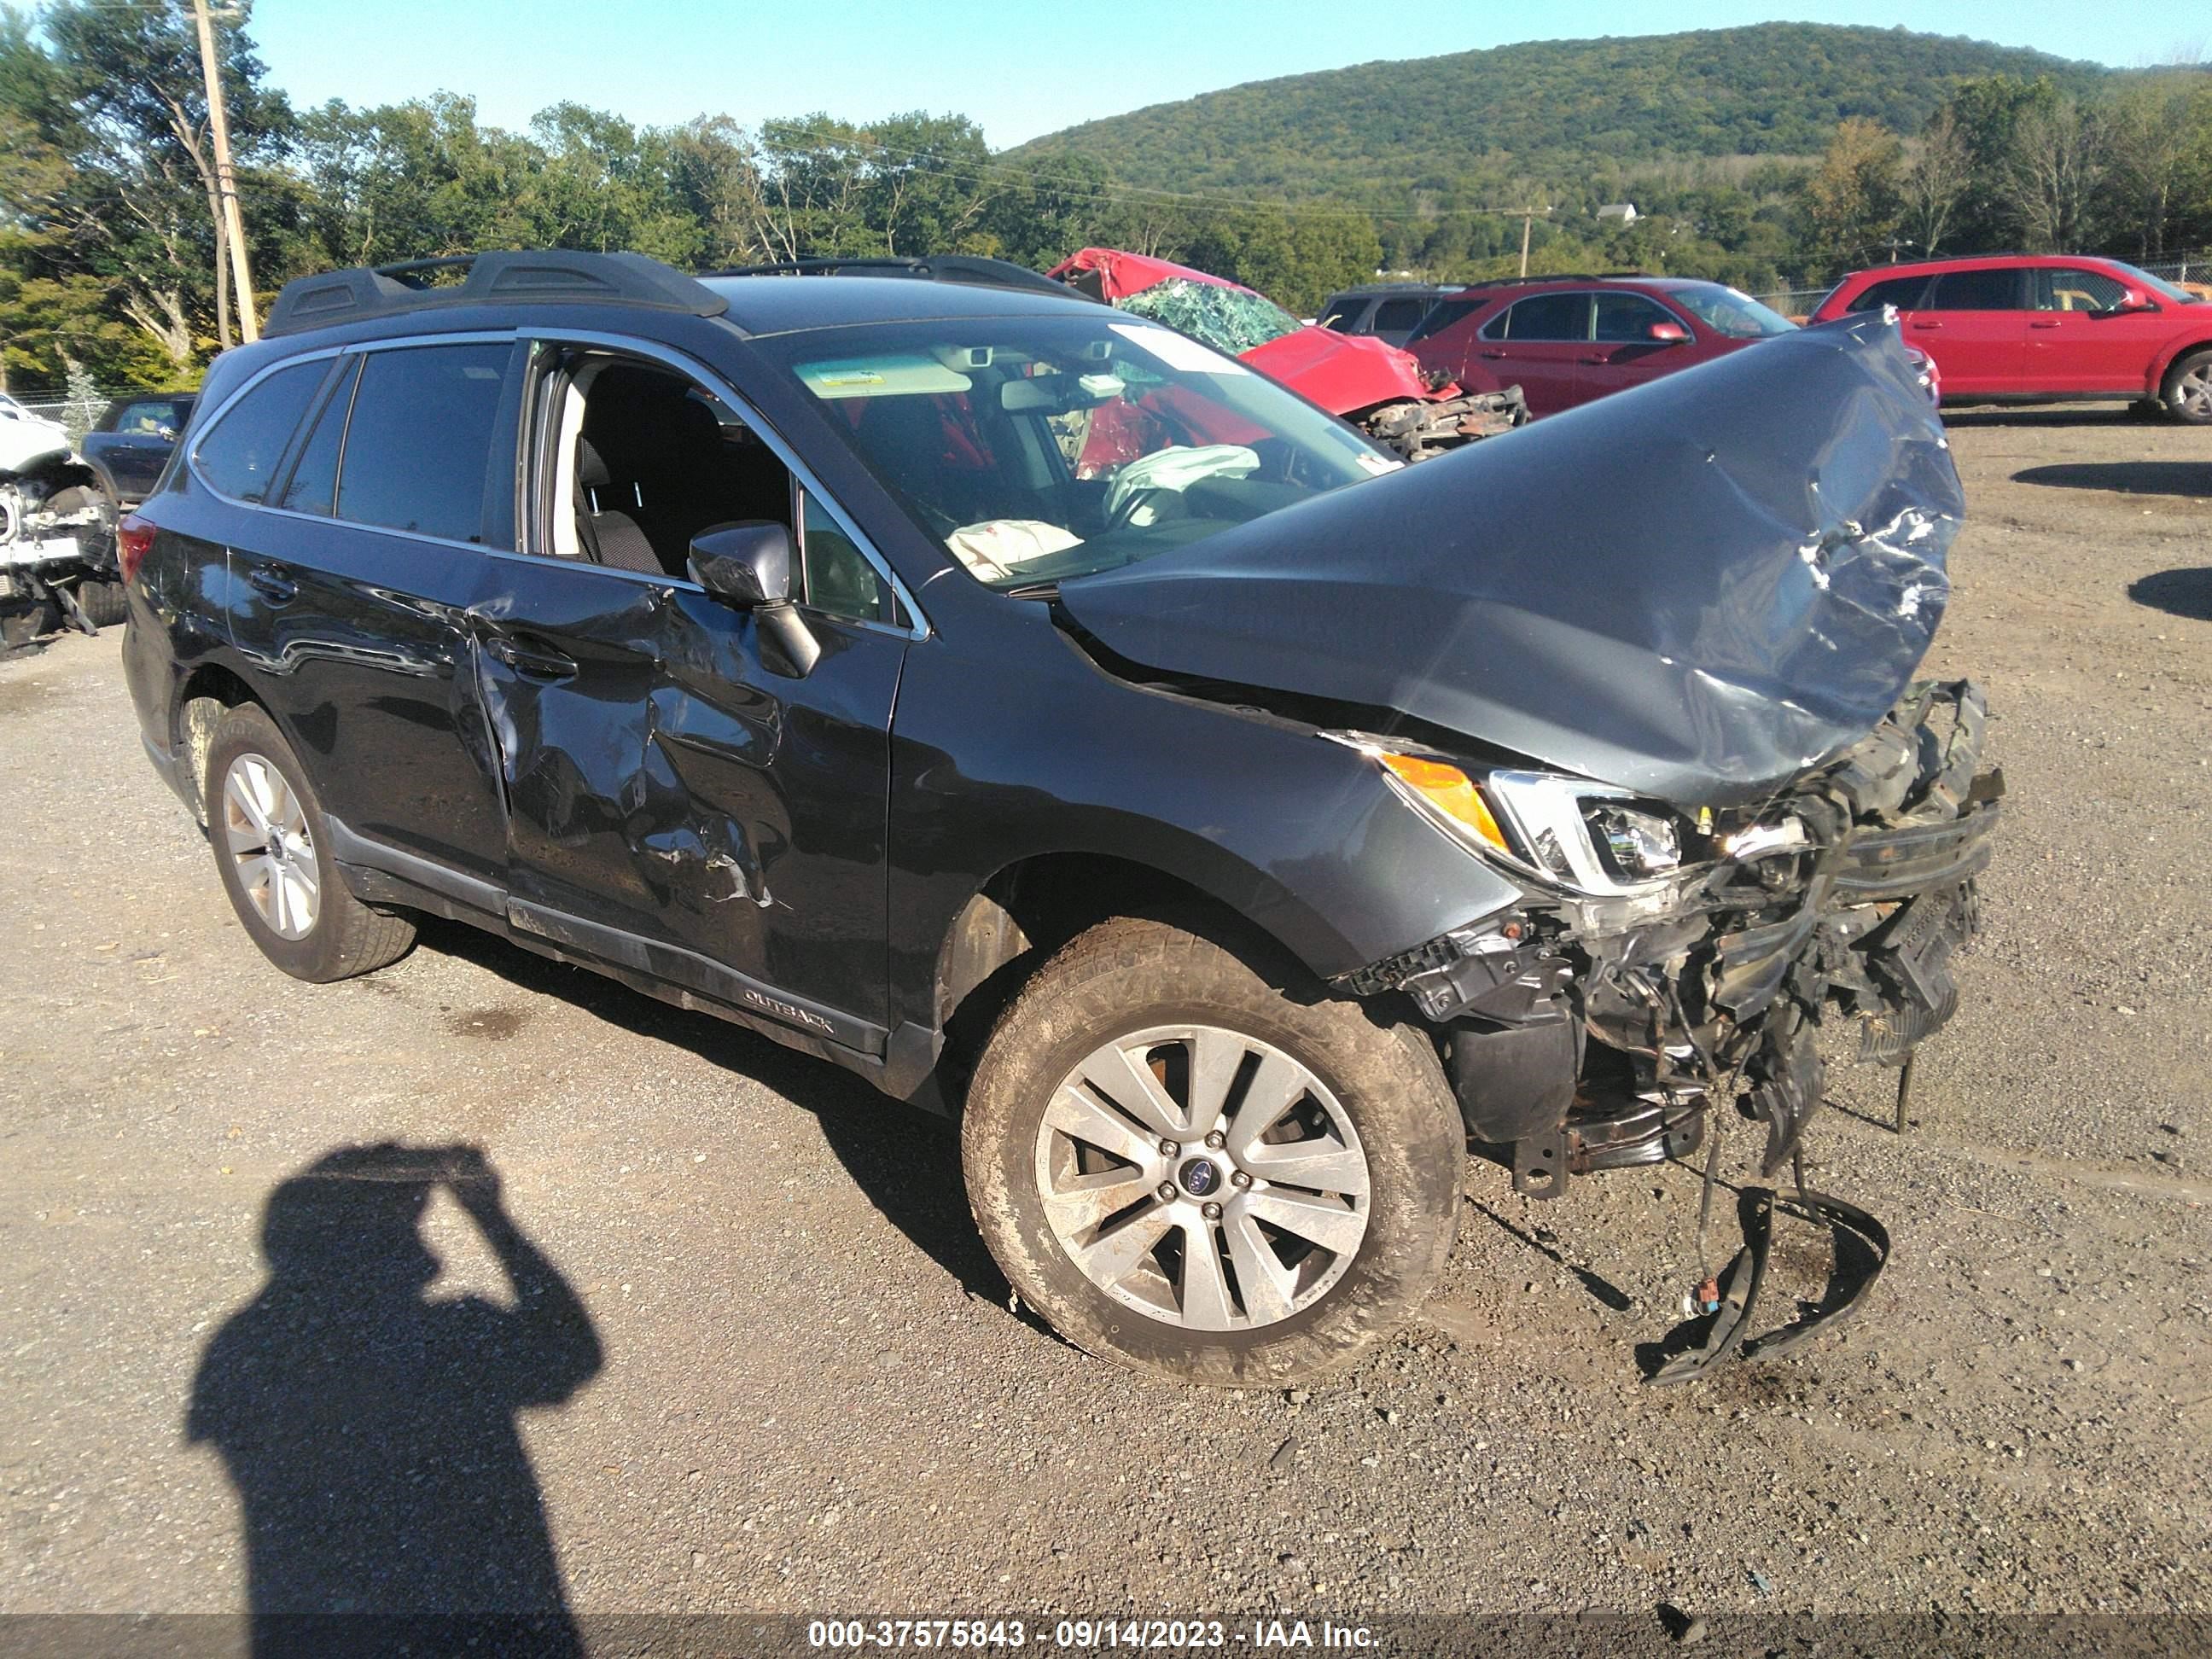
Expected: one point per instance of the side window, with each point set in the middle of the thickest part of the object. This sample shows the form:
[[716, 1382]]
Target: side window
[[1442, 315], [1623, 318], [2076, 290], [240, 453], [1977, 290], [1903, 292], [1342, 314], [1546, 317], [148, 419], [1393, 316], [839, 580], [425, 436], [314, 478]]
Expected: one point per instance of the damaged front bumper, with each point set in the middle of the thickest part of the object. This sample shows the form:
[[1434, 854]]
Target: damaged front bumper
[[57, 529], [1587, 1030]]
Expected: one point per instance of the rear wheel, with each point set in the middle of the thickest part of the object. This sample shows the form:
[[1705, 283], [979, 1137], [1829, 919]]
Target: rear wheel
[[1200, 1174], [272, 851], [2188, 389]]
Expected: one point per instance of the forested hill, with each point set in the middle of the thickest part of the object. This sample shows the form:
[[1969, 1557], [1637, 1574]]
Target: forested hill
[[1773, 88]]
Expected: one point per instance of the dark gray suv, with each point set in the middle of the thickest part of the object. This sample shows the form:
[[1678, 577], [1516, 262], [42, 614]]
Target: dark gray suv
[[1026, 707]]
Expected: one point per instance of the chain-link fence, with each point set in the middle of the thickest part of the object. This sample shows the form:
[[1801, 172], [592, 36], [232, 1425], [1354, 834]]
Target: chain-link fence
[[74, 410]]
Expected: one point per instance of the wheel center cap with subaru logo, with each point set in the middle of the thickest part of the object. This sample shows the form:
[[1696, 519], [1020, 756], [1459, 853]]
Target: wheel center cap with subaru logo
[[1200, 1177]]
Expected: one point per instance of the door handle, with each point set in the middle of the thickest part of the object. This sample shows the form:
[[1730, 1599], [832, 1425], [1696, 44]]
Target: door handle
[[1593, 359], [277, 589], [1917, 323], [1495, 356], [2038, 323], [532, 662]]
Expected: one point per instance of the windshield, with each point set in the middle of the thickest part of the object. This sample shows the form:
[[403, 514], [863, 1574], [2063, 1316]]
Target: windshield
[[1037, 449], [2158, 285], [1227, 319], [1729, 311]]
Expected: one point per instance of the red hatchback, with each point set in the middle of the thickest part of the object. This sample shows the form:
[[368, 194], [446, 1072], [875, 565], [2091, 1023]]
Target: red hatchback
[[1566, 340], [2046, 328]]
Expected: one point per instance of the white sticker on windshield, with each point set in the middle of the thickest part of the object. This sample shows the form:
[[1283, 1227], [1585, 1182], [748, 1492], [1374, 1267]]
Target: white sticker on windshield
[[1378, 465], [1178, 350]]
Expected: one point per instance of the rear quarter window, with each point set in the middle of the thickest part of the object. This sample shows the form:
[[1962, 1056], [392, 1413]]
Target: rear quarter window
[[239, 455]]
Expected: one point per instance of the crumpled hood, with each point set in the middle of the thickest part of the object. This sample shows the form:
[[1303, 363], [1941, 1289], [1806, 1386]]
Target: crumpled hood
[[1342, 372], [1694, 589], [1345, 372]]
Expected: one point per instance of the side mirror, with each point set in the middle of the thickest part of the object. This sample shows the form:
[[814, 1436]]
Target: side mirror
[[747, 566], [1667, 333], [2133, 298]]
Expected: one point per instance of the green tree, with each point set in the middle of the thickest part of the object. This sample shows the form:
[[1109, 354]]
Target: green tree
[[1852, 202]]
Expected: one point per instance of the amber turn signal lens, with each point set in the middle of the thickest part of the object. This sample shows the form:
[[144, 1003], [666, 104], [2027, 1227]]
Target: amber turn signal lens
[[1450, 792]]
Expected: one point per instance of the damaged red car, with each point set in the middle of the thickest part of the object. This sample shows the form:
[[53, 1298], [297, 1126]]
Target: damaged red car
[[1384, 391]]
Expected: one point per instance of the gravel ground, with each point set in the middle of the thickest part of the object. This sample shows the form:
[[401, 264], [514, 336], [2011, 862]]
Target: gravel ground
[[813, 1397]]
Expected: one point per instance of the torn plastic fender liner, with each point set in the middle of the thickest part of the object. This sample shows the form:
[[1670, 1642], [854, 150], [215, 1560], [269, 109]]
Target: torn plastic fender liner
[[1693, 589]]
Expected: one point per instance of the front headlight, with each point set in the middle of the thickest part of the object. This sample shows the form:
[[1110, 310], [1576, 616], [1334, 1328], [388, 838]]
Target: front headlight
[[1565, 830], [1599, 839], [1640, 846]]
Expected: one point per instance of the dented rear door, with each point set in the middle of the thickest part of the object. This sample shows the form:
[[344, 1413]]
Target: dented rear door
[[679, 807]]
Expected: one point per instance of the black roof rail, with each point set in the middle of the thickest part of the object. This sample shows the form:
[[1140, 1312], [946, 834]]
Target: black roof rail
[[1409, 286], [937, 267], [1560, 277], [501, 277]]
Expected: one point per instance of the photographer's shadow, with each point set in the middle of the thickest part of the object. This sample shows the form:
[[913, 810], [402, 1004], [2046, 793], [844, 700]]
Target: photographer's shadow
[[371, 1430]]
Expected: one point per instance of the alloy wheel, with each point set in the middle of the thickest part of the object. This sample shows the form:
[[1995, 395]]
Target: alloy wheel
[[2193, 393], [265, 829], [1203, 1178]]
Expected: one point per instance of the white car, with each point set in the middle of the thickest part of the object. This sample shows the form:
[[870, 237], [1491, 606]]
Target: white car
[[57, 532]]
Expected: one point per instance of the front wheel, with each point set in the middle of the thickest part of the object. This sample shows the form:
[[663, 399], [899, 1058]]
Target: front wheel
[[272, 849], [1207, 1172], [2188, 391]]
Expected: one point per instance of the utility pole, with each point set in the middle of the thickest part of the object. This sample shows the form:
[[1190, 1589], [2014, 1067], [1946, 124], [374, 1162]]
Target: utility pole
[[1529, 215], [233, 224]]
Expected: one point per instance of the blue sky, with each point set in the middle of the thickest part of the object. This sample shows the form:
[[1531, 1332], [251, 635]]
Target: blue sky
[[1019, 67]]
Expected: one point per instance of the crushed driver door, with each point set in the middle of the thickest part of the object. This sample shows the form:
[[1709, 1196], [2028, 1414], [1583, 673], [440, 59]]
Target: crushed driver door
[[678, 807]]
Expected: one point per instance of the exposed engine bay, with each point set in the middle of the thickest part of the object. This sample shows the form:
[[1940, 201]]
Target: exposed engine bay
[[1592, 1029], [57, 534]]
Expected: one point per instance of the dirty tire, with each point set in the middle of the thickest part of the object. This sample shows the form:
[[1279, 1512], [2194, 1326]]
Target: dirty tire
[[1129, 975], [2188, 389], [25, 627], [346, 936], [103, 603]]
